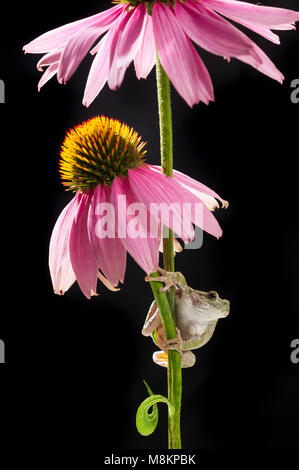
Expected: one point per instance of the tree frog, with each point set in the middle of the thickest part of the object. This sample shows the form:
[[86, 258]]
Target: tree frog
[[197, 313]]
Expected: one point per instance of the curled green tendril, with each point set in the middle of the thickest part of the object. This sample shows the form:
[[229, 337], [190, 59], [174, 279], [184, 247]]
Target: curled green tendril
[[146, 421]]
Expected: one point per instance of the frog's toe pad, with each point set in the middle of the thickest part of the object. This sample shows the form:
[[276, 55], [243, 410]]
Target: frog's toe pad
[[187, 359], [160, 358]]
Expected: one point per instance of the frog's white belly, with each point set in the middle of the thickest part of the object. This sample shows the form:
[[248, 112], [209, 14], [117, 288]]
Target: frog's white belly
[[196, 323]]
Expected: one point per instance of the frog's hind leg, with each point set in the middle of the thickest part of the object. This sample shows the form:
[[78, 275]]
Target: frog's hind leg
[[153, 320]]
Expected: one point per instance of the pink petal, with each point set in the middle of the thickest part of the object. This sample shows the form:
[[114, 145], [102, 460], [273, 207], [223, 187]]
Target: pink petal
[[58, 37], [205, 90], [154, 188], [99, 70], [145, 58], [267, 67], [256, 58], [75, 50], [261, 30], [194, 186], [283, 27], [219, 38], [61, 270], [179, 58], [200, 188], [49, 59], [47, 75], [107, 283], [257, 14], [82, 258], [145, 251], [129, 43], [109, 252], [177, 247]]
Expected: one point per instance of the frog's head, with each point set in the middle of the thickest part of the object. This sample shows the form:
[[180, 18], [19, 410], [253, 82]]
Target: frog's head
[[222, 305]]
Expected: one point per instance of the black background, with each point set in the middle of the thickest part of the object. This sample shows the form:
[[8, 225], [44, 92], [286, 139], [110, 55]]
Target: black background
[[75, 366]]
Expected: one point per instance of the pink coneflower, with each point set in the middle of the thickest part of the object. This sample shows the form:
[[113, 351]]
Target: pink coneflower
[[135, 28], [103, 161]]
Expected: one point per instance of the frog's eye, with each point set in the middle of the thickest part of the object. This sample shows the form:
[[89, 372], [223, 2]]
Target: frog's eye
[[212, 295]]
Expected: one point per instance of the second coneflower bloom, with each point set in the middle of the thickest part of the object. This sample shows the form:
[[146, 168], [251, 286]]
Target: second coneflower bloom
[[135, 28], [120, 205]]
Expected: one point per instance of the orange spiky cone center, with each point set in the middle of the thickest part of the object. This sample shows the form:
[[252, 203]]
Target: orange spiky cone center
[[97, 151]]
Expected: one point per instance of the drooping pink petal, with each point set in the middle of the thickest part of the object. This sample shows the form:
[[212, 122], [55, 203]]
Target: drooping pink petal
[[145, 58], [200, 189], [262, 31], [100, 68], [178, 57], [205, 91], [144, 249], [256, 14], [161, 197], [109, 251], [177, 247], [58, 37], [107, 283], [47, 75], [257, 28], [82, 258], [162, 189], [283, 27], [219, 38], [49, 59], [128, 45], [256, 58], [266, 66], [121, 24], [207, 195], [61, 270], [76, 49]]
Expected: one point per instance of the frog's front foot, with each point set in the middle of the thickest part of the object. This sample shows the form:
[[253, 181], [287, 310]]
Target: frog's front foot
[[170, 279]]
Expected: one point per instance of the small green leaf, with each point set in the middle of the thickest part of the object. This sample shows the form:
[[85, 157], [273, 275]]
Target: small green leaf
[[146, 421]]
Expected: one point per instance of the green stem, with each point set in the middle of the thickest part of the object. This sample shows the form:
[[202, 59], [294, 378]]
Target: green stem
[[174, 367], [168, 311]]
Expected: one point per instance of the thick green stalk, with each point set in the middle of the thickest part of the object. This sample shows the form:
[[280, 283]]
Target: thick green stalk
[[174, 361]]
